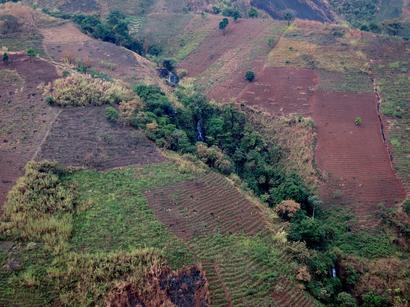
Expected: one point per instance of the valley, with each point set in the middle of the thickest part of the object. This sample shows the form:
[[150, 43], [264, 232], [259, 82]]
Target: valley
[[273, 172]]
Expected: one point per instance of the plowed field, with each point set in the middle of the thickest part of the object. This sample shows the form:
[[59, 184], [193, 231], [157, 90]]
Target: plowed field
[[24, 117], [84, 137], [354, 160]]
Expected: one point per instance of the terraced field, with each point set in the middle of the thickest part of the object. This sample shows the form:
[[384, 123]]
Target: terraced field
[[84, 137], [231, 237]]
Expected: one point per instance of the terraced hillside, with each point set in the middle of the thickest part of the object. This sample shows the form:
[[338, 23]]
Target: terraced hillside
[[230, 235], [320, 71]]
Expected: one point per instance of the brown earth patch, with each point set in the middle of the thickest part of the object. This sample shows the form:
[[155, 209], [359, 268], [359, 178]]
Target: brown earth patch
[[280, 90], [205, 206], [239, 34], [83, 137], [354, 160], [186, 287], [24, 117], [66, 43]]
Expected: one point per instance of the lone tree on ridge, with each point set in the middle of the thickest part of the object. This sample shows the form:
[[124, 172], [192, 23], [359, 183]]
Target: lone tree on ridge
[[223, 24]]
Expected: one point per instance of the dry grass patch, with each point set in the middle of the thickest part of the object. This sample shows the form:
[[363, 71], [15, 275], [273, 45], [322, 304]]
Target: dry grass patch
[[303, 54], [297, 138], [83, 90]]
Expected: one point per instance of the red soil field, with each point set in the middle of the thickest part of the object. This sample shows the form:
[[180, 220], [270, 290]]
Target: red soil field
[[354, 160], [67, 43], [280, 90], [84, 137], [205, 206], [239, 35], [24, 117]]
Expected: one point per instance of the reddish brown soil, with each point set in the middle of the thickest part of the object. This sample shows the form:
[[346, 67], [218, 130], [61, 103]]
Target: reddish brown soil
[[205, 206], [186, 287], [66, 43], [354, 160], [24, 117], [217, 44], [280, 90], [84, 137]]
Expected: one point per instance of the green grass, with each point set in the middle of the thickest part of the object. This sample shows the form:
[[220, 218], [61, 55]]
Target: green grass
[[395, 90], [349, 81], [374, 243], [118, 216]]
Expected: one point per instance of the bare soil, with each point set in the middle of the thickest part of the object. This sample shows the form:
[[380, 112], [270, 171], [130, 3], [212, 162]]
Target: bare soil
[[83, 137], [66, 43], [186, 287], [281, 90], [205, 206], [354, 159], [238, 36], [24, 117]]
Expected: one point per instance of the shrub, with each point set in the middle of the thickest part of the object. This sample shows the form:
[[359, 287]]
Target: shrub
[[287, 209], [83, 90], [214, 157], [253, 13], [39, 207], [31, 52], [111, 114], [250, 76], [5, 57], [358, 121], [345, 299], [406, 206], [375, 300]]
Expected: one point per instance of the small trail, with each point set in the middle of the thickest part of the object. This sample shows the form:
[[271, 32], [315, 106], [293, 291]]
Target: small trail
[[379, 115], [43, 140]]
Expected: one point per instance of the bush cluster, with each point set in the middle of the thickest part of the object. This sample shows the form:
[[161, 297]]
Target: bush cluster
[[221, 137], [83, 90], [39, 207]]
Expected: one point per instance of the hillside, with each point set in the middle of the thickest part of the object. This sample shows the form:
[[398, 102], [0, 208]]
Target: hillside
[[273, 172]]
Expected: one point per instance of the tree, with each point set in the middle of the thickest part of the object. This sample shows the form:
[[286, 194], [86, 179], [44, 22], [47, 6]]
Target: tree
[[358, 121], [253, 13], [236, 15], [250, 76], [31, 53], [5, 57], [288, 16], [223, 24]]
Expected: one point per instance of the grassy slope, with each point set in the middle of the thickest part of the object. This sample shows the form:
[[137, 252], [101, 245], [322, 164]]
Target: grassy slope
[[118, 217], [113, 216]]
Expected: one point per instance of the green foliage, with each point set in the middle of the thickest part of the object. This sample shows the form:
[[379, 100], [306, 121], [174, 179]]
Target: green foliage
[[31, 52], [358, 121], [223, 24], [314, 233], [250, 76], [253, 13], [375, 300], [114, 29], [5, 57], [406, 206], [111, 114], [229, 142], [345, 299]]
